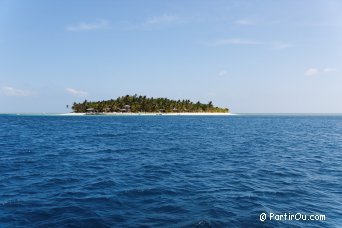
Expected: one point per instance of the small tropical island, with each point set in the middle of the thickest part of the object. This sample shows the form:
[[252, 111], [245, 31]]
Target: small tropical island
[[144, 105]]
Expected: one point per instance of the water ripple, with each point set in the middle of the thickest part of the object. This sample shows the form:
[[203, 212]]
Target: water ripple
[[160, 171]]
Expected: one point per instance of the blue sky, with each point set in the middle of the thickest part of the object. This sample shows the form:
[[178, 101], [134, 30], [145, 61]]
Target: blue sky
[[250, 56]]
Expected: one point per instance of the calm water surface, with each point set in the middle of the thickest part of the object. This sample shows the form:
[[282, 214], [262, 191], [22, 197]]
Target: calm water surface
[[169, 171]]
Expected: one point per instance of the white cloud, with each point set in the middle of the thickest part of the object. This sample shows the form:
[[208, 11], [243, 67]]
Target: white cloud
[[316, 71], [163, 19], [84, 26], [222, 73], [13, 92], [243, 22], [329, 70], [237, 41], [75, 92], [312, 71], [272, 45], [280, 45]]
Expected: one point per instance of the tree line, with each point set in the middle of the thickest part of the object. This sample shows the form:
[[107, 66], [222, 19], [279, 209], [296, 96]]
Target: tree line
[[137, 103]]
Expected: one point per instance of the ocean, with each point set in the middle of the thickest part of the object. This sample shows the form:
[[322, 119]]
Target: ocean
[[170, 171]]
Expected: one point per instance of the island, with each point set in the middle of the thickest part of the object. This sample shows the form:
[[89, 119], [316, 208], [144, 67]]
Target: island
[[134, 104]]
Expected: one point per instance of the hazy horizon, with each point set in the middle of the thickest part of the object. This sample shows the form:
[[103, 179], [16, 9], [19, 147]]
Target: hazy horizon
[[265, 57]]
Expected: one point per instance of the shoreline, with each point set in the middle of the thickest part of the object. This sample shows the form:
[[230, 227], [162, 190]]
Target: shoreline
[[153, 114]]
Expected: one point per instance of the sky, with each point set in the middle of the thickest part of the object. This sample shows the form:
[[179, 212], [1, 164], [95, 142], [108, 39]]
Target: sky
[[250, 56]]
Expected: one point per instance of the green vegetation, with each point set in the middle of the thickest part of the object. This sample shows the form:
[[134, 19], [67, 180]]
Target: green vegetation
[[144, 104]]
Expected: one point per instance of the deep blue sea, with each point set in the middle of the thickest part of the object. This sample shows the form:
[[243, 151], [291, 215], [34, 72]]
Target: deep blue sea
[[169, 171]]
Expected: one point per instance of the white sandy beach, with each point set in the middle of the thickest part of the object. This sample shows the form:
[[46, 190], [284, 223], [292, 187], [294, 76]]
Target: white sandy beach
[[153, 114]]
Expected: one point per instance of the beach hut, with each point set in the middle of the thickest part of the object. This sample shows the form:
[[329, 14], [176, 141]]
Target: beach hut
[[90, 111], [127, 108], [106, 109]]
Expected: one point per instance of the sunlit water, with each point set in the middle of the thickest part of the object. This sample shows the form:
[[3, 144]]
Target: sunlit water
[[133, 171]]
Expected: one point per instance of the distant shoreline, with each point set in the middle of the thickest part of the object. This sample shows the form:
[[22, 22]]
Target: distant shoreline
[[153, 114], [144, 104]]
